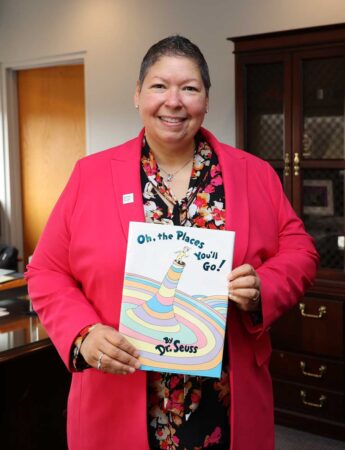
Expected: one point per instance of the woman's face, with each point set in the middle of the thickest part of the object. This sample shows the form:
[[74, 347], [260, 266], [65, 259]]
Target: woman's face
[[172, 102]]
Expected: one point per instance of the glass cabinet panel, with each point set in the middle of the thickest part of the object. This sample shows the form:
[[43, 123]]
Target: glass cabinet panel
[[323, 108], [323, 212], [323, 153], [264, 134], [293, 115]]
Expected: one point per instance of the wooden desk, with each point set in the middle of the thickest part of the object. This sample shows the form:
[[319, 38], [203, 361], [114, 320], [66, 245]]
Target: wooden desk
[[16, 283], [12, 289], [34, 383], [21, 332]]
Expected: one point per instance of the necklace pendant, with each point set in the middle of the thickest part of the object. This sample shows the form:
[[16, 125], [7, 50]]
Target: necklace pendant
[[170, 177]]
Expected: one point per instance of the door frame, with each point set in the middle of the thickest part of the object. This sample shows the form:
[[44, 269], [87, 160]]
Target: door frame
[[11, 219]]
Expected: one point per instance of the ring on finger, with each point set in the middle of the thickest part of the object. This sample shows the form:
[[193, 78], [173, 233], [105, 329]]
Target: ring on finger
[[256, 298], [99, 361]]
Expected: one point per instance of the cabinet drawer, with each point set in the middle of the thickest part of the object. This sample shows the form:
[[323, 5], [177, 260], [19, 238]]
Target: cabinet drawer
[[313, 326], [317, 402], [312, 371]]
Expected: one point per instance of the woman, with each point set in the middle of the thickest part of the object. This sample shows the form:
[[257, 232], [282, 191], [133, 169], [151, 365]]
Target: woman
[[174, 172]]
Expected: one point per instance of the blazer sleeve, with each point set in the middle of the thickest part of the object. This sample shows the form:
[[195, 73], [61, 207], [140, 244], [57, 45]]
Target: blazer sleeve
[[286, 275], [56, 295]]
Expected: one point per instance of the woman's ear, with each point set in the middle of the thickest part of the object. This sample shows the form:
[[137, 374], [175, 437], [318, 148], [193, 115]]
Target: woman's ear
[[137, 95], [207, 105]]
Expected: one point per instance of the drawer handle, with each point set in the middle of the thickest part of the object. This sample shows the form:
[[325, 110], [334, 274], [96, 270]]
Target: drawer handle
[[322, 312], [321, 403], [322, 371]]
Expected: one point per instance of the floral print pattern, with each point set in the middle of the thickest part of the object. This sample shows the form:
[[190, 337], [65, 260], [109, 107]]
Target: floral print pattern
[[187, 412], [203, 205]]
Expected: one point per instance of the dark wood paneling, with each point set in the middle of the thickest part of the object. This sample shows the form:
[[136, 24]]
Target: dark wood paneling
[[309, 400], [303, 368], [290, 39], [33, 401], [319, 336]]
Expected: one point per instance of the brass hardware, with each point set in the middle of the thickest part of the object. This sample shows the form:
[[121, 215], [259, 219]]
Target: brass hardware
[[296, 164], [322, 371], [322, 400], [322, 312], [287, 164]]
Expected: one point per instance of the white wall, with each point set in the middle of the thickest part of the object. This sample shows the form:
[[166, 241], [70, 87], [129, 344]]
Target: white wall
[[116, 33]]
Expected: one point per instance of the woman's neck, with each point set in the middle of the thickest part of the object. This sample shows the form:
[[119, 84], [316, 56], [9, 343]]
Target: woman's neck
[[171, 156]]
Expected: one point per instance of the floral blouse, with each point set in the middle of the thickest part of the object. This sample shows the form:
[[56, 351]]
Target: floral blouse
[[187, 412]]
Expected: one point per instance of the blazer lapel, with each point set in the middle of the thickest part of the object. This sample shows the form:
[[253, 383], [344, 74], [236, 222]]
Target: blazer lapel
[[125, 167], [235, 178]]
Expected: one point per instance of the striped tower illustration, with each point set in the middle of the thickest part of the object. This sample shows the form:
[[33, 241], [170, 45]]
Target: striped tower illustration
[[160, 307]]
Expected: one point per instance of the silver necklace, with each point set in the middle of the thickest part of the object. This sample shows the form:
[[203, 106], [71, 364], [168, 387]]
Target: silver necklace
[[170, 176]]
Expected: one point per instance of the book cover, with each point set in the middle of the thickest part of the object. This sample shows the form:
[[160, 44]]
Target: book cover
[[175, 297]]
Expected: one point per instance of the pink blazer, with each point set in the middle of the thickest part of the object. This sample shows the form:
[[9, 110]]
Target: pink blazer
[[76, 274]]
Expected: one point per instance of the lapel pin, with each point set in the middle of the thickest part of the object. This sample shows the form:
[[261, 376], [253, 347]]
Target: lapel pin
[[127, 198]]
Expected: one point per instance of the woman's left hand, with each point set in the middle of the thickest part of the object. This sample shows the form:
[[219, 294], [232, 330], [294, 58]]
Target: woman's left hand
[[244, 288]]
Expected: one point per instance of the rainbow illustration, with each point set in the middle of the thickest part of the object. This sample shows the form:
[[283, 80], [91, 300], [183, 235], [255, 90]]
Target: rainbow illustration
[[175, 332]]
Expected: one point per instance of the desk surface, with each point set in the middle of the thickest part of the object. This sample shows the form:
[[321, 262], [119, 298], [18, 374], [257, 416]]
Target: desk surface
[[13, 289], [16, 283], [20, 332]]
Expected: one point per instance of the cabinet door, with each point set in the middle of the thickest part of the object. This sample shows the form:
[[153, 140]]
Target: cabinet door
[[263, 89], [319, 151]]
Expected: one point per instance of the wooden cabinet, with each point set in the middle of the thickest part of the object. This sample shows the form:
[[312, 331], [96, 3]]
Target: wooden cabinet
[[308, 366], [34, 383], [33, 401], [290, 111]]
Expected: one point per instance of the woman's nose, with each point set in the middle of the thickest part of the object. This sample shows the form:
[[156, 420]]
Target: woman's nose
[[173, 99]]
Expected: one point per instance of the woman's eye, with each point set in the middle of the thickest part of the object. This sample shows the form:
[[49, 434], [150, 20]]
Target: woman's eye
[[190, 88], [158, 86]]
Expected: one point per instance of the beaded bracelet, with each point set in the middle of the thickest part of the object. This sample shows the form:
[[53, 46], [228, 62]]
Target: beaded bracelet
[[78, 360]]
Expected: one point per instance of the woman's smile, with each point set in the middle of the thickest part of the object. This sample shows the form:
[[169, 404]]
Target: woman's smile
[[172, 120]]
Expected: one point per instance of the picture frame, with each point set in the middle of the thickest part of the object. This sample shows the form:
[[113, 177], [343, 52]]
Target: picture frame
[[318, 197]]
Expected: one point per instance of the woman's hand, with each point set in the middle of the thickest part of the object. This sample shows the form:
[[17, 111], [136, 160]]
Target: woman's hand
[[244, 288], [106, 349]]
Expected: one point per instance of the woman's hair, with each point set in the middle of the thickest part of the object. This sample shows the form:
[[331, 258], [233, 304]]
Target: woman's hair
[[175, 46]]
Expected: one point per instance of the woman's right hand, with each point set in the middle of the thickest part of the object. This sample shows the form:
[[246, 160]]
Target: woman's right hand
[[106, 349]]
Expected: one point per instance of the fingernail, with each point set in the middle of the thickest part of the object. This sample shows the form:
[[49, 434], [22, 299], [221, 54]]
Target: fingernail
[[137, 365], [131, 370]]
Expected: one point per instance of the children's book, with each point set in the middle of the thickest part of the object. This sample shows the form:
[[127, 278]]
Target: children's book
[[175, 297]]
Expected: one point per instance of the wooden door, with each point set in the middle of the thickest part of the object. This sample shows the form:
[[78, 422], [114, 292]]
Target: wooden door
[[52, 138]]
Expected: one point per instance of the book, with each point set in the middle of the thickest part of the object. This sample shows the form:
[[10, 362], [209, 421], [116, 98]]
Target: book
[[6, 275], [175, 297], [9, 275], [6, 278], [5, 272]]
